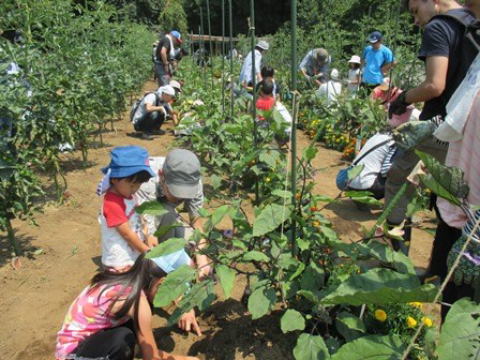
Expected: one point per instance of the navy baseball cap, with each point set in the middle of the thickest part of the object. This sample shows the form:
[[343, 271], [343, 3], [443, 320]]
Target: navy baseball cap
[[374, 37], [128, 160]]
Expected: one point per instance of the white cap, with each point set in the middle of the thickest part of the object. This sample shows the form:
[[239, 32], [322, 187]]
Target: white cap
[[176, 85], [262, 44], [355, 59], [334, 74], [167, 89]]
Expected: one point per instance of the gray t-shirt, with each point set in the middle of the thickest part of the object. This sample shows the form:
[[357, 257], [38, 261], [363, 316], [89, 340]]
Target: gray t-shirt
[[312, 66], [152, 99]]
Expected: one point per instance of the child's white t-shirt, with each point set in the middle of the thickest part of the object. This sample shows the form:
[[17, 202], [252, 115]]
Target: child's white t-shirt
[[117, 210], [353, 78]]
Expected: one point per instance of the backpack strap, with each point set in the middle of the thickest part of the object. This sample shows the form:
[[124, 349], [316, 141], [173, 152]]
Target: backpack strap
[[379, 145], [471, 28]]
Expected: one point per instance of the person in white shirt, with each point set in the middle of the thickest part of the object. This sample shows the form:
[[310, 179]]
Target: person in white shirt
[[331, 89], [152, 111], [376, 158], [354, 76], [246, 72]]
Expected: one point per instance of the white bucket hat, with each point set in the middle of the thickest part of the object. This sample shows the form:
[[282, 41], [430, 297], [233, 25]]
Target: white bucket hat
[[355, 59], [334, 75], [262, 44], [167, 89], [176, 85]]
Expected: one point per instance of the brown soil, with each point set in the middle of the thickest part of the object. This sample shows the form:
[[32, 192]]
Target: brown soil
[[62, 253]]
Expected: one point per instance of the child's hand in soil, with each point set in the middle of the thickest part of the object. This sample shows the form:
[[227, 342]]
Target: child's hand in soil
[[188, 322]]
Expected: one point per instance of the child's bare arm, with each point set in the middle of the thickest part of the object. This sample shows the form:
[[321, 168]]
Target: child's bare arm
[[131, 237]]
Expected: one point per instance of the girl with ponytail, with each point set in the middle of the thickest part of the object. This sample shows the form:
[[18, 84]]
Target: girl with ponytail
[[112, 315]]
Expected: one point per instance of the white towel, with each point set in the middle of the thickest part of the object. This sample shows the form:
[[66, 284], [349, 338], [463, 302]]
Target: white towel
[[460, 104]]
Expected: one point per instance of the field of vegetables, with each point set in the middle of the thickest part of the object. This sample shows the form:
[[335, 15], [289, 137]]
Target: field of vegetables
[[325, 288]]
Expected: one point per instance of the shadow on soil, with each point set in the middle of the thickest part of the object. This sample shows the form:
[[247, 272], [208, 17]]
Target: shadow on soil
[[230, 333], [6, 252]]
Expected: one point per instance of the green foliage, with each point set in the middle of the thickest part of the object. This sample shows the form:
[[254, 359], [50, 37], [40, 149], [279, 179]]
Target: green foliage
[[174, 286], [373, 347], [292, 320], [261, 301], [460, 336], [166, 247], [380, 286], [76, 65], [310, 347]]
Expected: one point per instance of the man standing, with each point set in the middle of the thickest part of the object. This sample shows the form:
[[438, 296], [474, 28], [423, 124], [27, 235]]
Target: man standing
[[246, 72], [377, 60], [164, 53], [446, 63], [315, 66]]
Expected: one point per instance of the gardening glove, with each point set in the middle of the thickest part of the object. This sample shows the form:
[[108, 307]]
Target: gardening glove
[[407, 136], [468, 269], [398, 106]]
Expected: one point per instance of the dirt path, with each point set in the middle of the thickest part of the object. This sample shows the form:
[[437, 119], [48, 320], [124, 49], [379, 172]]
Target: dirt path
[[35, 298]]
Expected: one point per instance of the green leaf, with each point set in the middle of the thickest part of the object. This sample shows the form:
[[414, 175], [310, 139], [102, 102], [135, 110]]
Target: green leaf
[[350, 326], [309, 153], [313, 278], [373, 347], [292, 320], [460, 335], [227, 278], [385, 254], [446, 182], [166, 247], [270, 217], [380, 286], [310, 347], [173, 286], [354, 172], [201, 295], [220, 213], [284, 194], [312, 296], [162, 230], [255, 256], [151, 208], [261, 301]]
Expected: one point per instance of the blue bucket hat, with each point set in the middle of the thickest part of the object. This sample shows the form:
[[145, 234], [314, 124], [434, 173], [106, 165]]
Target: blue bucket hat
[[128, 160], [374, 37]]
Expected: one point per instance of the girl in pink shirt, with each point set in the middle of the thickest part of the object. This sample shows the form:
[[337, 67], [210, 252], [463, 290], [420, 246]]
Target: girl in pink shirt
[[111, 315]]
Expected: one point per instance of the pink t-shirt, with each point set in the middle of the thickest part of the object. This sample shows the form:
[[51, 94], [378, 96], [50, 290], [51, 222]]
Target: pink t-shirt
[[465, 154], [88, 314]]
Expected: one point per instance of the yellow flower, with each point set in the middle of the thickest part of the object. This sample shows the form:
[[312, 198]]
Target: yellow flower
[[415, 304], [380, 315], [267, 179], [411, 322], [427, 321], [316, 224]]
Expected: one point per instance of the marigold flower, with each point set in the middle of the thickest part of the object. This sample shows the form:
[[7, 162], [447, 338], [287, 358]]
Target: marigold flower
[[427, 321], [380, 315], [415, 304], [411, 322]]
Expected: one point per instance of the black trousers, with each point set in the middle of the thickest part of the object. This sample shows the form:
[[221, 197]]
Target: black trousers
[[445, 237], [112, 344], [150, 122]]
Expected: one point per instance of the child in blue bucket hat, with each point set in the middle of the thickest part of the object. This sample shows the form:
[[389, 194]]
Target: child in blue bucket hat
[[123, 238]]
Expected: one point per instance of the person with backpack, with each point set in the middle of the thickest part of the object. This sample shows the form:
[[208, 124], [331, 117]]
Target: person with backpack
[[375, 157], [447, 56], [149, 113], [165, 52]]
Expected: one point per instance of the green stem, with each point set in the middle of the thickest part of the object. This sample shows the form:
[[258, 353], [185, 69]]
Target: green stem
[[11, 239]]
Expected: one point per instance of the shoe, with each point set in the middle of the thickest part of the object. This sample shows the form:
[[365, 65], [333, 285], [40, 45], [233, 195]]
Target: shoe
[[146, 136], [157, 132]]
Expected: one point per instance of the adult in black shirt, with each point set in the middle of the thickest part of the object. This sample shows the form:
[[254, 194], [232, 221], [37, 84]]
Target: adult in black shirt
[[164, 54], [445, 69]]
